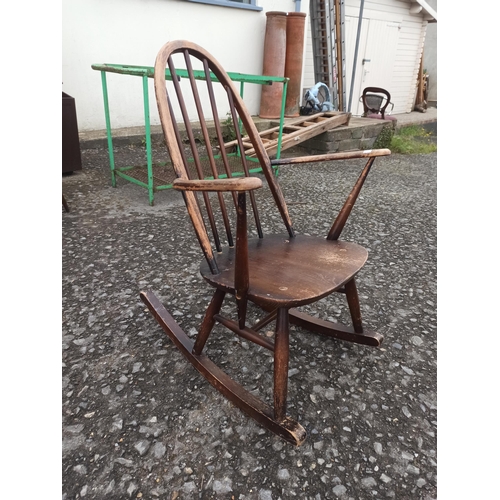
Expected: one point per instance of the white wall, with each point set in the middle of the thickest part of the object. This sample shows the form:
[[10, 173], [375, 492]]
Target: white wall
[[132, 32]]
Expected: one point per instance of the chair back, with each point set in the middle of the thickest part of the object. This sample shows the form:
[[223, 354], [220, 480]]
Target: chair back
[[375, 100], [203, 92]]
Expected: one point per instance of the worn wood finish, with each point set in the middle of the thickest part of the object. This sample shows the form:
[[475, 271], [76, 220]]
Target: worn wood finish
[[334, 330], [353, 302], [345, 211], [276, 272], [281, 356], [290, 272], [234, 184], [287, 428], [244, 332], [65, 203], [265, 321], [208, 321], [294, 132], [347, 155], [241, 278]]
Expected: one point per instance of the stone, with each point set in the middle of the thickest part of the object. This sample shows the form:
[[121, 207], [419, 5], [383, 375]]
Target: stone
[[224, 486], [330, 394], [368, 482], [142, 446], [80, 469], [283, 474], [159, 450], [339, 490], [412, 469], [421, 482], [265, 495]]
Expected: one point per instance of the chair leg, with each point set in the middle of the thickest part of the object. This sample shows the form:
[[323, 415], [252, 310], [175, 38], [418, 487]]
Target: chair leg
[[353, 302], [286, 427], [281, 356], [208, 321], [356, 333], [65, 203]]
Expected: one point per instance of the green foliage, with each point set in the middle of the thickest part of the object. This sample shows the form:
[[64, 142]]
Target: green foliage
[[229, 131], [412, 140], [384, 139]]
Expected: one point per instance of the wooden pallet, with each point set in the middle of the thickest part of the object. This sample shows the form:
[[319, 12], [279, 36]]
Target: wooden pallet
[[294, 132]]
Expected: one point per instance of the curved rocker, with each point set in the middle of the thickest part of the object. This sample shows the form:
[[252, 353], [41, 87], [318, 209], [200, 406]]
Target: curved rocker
[[335, 330], [278, 273], [287, 428]]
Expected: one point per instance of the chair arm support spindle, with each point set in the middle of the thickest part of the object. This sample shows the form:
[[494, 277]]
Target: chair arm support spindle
[[345, 211], [241, 272]]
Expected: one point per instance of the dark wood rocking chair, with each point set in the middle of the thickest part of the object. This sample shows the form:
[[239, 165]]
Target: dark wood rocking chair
[[278, 273]]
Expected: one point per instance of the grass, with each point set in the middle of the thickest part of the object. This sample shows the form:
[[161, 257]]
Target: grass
[[412, 140]]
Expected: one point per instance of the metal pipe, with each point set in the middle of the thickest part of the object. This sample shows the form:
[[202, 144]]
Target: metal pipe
[[297, 5], [108, 128], [149, 153], [360, 20]]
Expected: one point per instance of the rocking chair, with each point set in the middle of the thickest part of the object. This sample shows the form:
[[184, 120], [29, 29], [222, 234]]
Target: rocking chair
[[278, 273]]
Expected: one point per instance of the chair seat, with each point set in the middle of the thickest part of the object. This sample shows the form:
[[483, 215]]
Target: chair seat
[[378, 116], [289, 272]]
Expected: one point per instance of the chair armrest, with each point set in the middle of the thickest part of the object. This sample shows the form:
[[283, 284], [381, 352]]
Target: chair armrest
[[233, 184], [343, 215], [347, 155]]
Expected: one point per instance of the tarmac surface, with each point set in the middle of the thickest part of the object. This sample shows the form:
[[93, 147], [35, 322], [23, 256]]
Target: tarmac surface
[[140, 422]]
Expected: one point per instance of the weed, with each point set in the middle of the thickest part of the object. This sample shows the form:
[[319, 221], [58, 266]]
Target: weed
[[384, 139], [412, 140], [230, 133]]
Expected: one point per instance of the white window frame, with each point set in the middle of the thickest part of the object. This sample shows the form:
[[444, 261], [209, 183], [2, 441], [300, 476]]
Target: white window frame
[[238, 4]]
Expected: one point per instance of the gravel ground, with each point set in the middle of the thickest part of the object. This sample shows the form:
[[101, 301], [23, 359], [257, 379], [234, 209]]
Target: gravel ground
[[140, 422]]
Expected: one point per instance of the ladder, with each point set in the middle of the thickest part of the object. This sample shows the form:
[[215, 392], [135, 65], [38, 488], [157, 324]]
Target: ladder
[[327, 31], [294, 132], [321, 42]]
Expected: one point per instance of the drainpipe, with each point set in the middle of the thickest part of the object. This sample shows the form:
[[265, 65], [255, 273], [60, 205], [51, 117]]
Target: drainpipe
[[297, 5], [360, 20]]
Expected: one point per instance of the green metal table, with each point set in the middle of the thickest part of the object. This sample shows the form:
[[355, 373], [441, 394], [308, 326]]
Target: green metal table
[[146, 72]]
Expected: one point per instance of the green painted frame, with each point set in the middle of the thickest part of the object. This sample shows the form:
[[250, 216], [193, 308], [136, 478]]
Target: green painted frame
[[146, 72]]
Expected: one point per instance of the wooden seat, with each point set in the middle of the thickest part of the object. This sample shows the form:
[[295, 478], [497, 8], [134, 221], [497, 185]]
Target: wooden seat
[[320, 267], [278, 273]]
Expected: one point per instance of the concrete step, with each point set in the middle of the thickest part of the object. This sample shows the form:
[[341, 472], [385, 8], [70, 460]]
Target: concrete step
[[361, 133]]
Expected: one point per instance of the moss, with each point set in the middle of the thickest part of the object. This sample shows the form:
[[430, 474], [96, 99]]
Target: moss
[[384, 139]]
